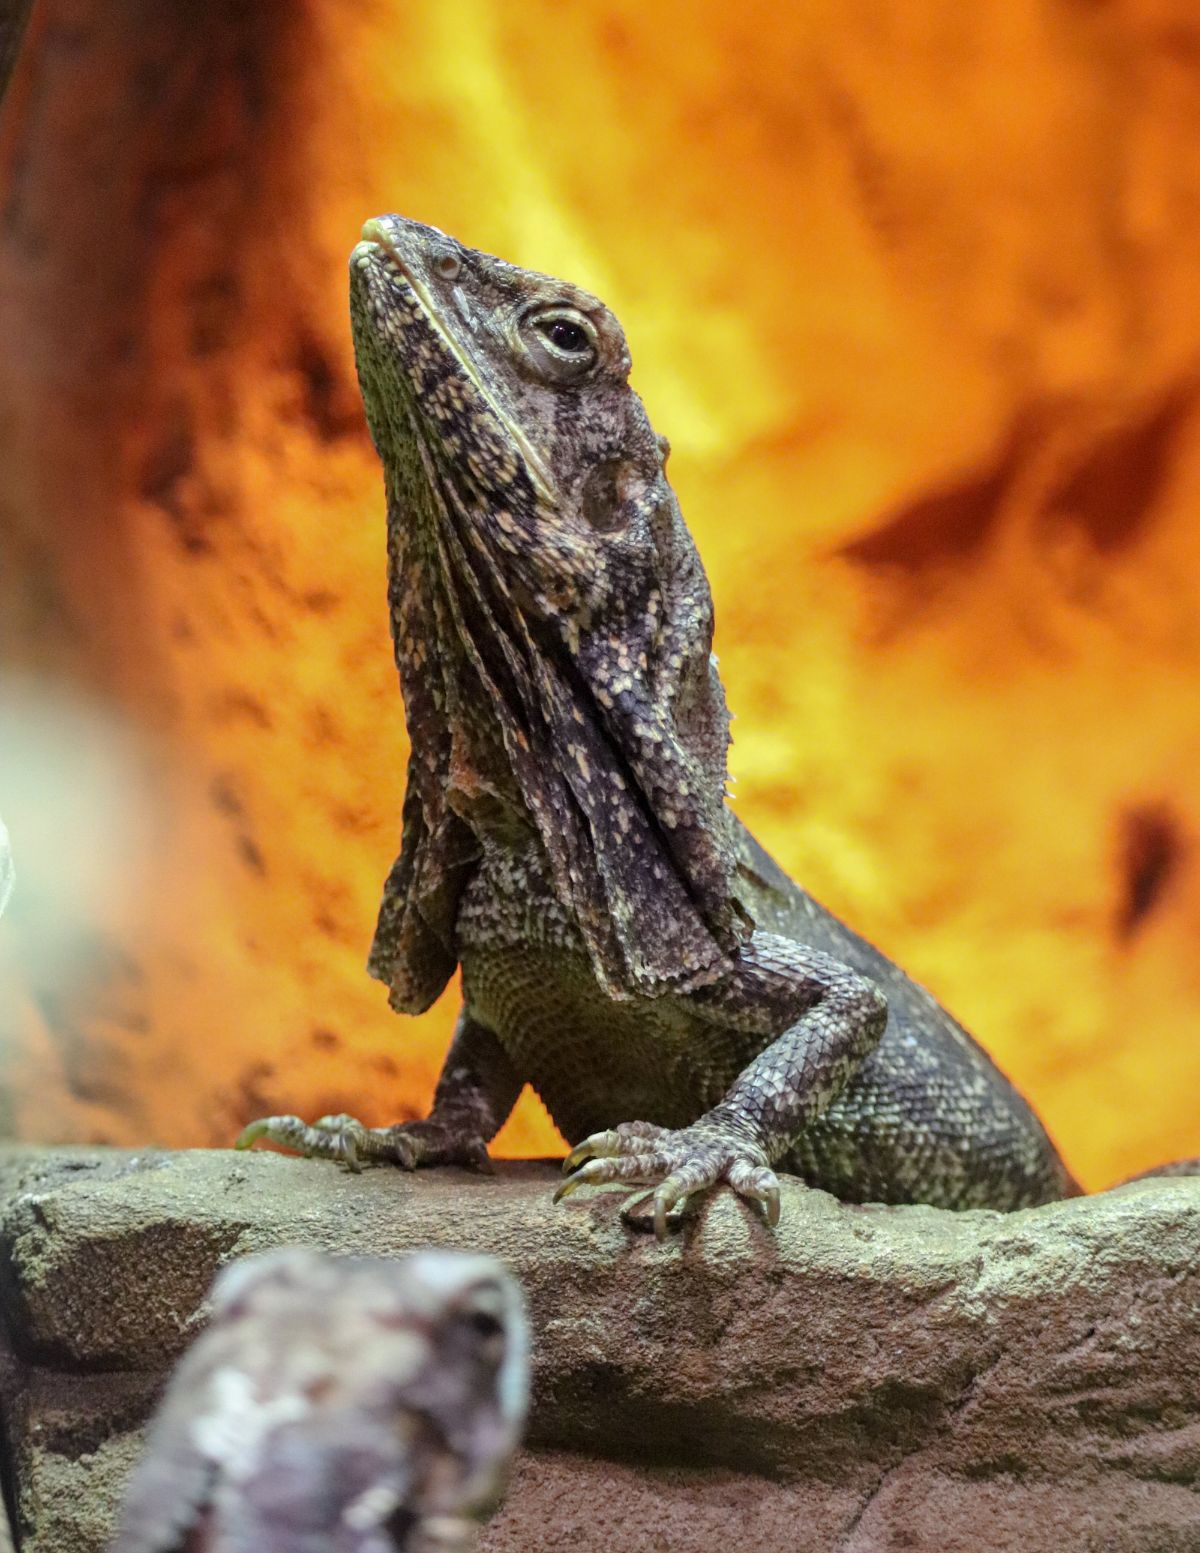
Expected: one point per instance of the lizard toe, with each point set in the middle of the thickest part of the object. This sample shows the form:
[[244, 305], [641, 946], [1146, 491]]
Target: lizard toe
[[633, 1169], [677, 1163], [346, 1135], [434, 1142], [758, 1183], [667, 1197], [629, 1139], [696, 1171], [329, 1138]]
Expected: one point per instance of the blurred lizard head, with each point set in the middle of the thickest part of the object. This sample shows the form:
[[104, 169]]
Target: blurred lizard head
[[357, 1403], [547, 601]]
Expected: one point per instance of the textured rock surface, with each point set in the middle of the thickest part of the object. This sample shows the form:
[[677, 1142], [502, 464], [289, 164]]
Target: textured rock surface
[[868, 1379]]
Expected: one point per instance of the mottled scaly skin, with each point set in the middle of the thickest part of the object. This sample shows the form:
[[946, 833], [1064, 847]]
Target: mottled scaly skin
[[920, 1115], [337, 1405], [688, 1014]]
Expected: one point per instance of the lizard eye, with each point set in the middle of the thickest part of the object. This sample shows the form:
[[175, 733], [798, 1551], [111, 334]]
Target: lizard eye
[[561, 343], [566, 336], [448, 266]]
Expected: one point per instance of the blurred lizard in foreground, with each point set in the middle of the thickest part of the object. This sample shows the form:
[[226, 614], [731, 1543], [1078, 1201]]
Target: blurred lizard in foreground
[[687, 1013], [337, 1405]]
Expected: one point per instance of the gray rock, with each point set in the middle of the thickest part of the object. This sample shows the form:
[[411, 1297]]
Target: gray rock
[[864, 1379]]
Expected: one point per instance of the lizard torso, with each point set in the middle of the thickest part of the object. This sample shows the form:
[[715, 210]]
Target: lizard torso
[[927, 1117]]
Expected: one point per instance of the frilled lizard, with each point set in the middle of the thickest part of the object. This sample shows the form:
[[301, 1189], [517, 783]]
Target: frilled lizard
[[687, 1013], [341, 1404]]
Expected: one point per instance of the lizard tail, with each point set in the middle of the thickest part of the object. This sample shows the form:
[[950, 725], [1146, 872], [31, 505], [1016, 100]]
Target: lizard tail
[[1177, 1167]]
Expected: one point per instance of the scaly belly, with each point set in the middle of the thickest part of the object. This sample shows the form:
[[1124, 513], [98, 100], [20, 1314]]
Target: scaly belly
[[595, 1062]]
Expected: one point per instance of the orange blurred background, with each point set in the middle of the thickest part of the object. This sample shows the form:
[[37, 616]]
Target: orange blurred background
[[914, 291]]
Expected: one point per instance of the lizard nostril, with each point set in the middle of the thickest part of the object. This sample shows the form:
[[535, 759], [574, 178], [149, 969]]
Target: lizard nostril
[[448, 266]]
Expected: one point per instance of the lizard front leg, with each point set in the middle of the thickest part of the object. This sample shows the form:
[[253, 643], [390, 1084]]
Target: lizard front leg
[[820, 1018], [477, 1089]]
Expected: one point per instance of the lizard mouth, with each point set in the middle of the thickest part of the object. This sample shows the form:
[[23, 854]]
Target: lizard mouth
[[378, 246], [378, 240]]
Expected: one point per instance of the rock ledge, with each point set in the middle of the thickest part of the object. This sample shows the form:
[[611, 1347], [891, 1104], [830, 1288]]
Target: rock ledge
[[864, 1379]]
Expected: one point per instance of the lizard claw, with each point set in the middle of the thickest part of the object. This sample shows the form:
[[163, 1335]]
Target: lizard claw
[[678, 1163], [350, 1143], [630, 1137], [330, 1137]]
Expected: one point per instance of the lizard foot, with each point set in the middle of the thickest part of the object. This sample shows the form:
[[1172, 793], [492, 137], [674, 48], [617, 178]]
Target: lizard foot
[[342, 1138], [677, 1162]]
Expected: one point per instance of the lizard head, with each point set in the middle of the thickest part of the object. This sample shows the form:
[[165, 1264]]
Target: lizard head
[[357, 1402], [509, 390], [542, 583]]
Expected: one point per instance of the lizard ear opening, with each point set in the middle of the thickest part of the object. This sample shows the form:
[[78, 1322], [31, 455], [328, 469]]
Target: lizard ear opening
[[614, 492]]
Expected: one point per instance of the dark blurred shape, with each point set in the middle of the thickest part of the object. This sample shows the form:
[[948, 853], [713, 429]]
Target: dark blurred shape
[[1117, 485], [359, 1405], [14, 14], [948, 524], [1151, 849]]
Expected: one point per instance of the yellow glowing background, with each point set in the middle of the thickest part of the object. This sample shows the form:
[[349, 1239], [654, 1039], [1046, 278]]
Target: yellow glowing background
[[915, 292]]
